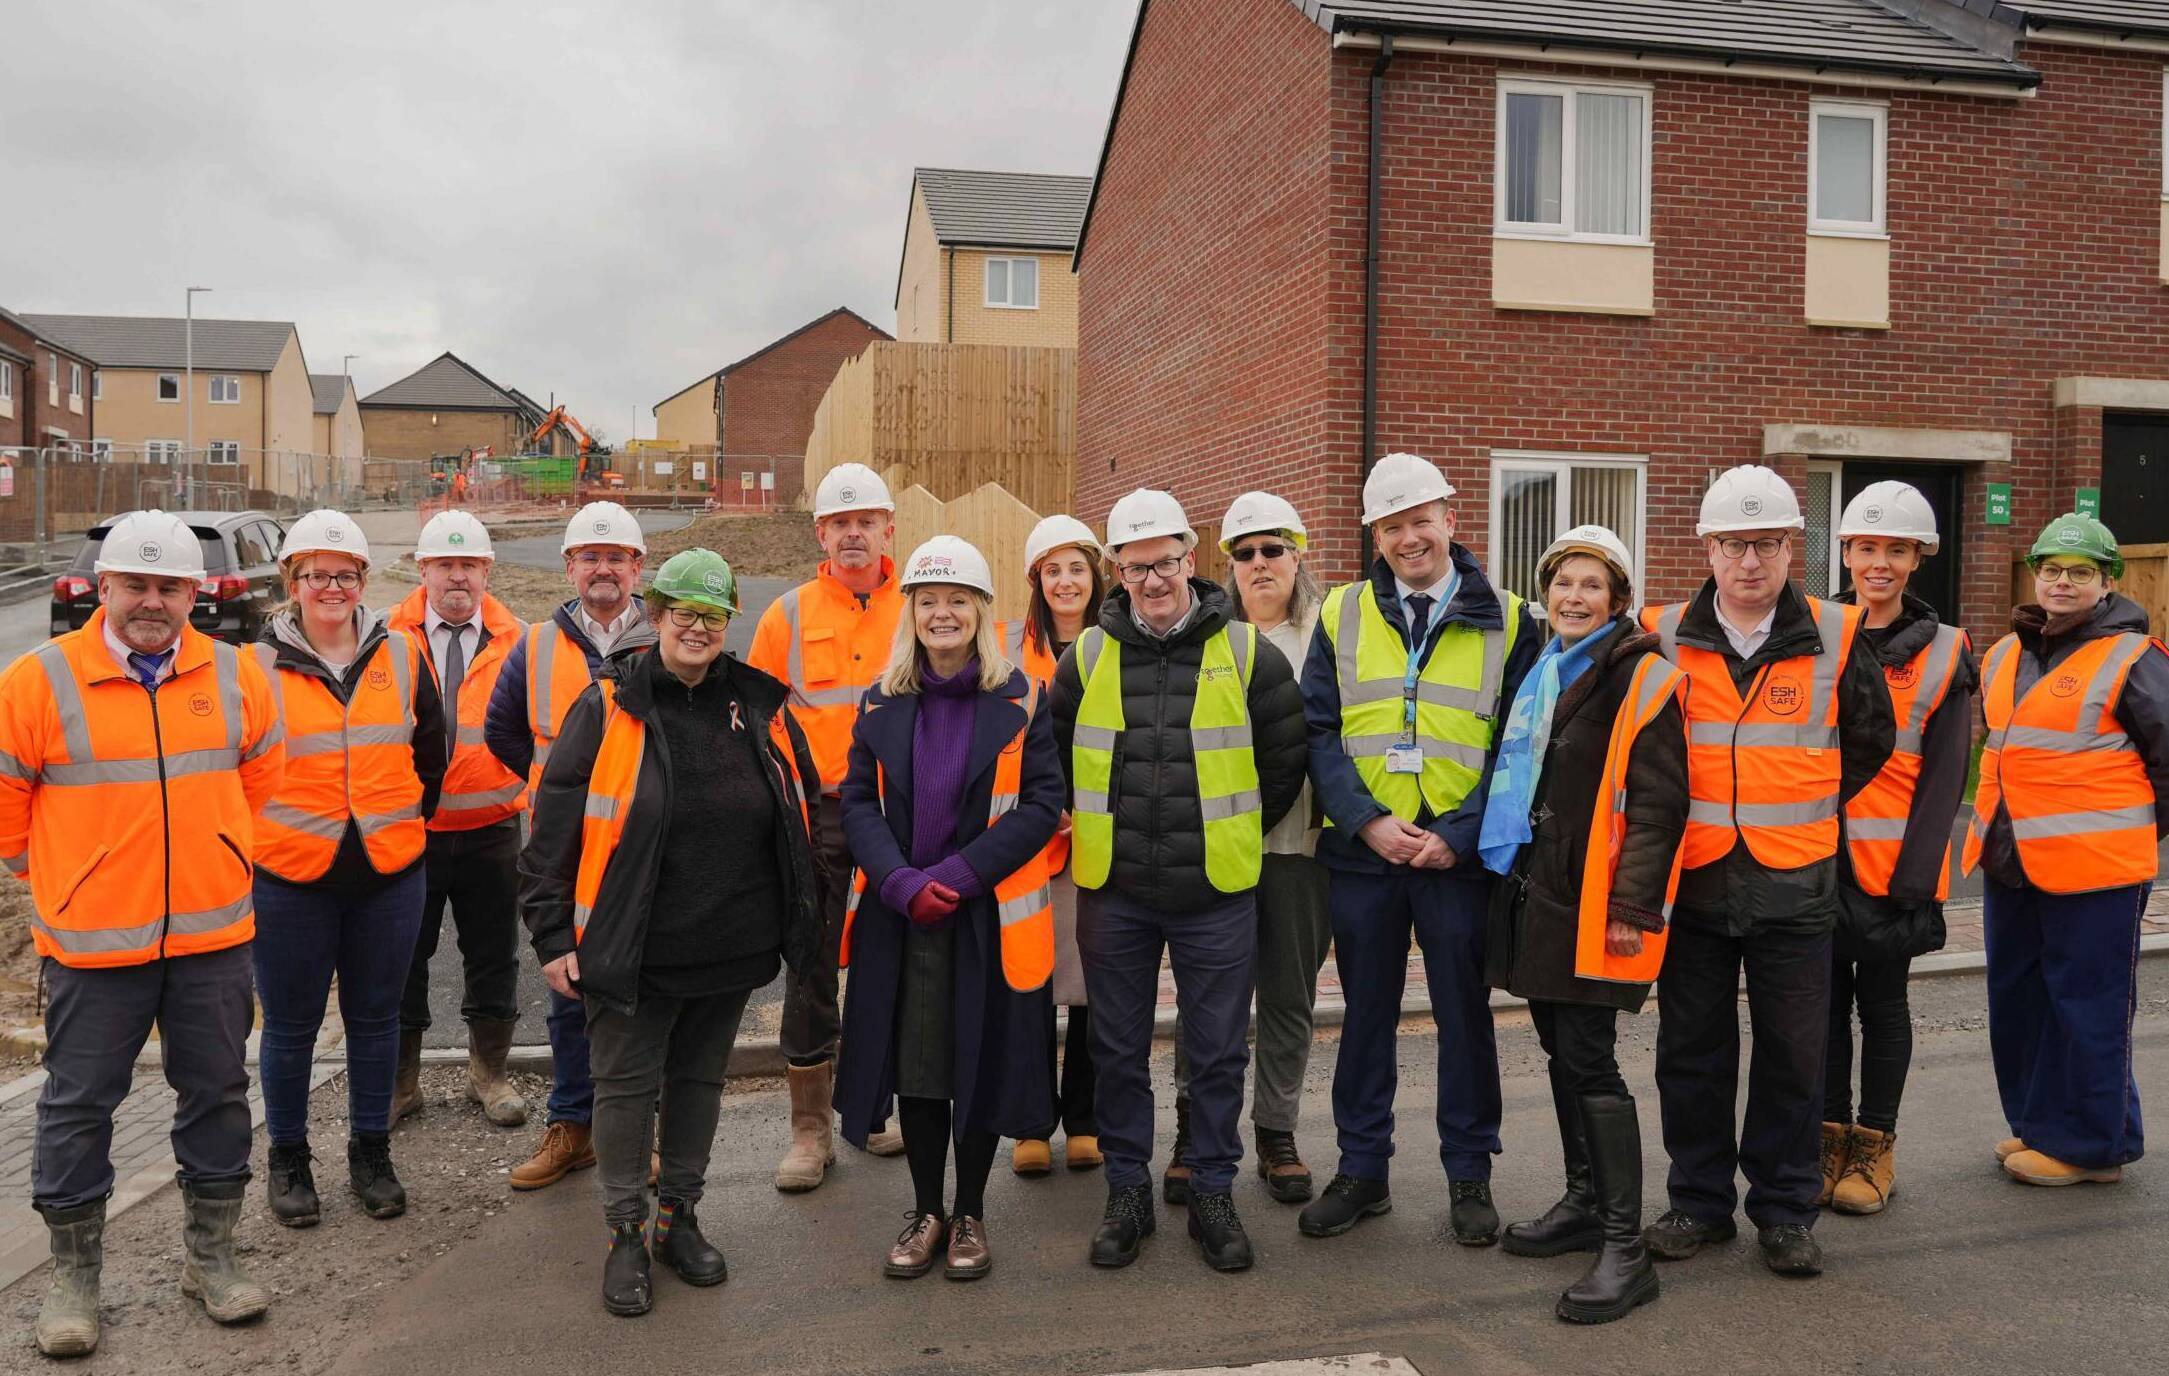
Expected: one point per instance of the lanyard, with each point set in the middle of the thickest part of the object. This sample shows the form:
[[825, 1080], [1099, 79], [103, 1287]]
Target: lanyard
[[1417, 639]]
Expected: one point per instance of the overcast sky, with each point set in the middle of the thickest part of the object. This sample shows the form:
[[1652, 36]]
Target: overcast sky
[[605, 201]]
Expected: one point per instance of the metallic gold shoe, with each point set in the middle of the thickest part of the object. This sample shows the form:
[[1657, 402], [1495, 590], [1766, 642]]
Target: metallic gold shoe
[[915, 1250], [969, 1258]]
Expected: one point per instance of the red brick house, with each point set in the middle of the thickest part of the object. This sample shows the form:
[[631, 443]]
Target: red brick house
[[1621, 246], [48, 391]]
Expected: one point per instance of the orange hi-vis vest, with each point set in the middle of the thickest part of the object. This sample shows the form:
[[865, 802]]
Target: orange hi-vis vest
[[1023, 901], [1654, 684], [2081, 806], [1036, 658], [128, 811], [830, 648], [1876, 816], [478, 790], [557, 674], [613, 781], [351, 761], [1764, 767]]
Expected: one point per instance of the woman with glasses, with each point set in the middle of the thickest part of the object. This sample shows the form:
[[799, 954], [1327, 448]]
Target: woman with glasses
[[339, 877], [669, 875], [2066, 823]]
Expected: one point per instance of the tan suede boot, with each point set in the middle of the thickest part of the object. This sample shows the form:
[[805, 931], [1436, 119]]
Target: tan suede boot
[[488, 1043], [565, 1147], [407, 1080], [1869, 1176], [1837, 1152], [813, 1138]]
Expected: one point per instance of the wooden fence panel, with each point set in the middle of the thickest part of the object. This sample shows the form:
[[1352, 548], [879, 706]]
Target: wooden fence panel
[[2145, 581]]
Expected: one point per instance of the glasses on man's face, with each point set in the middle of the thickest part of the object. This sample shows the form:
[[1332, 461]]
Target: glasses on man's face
[[346, 580], [1244, 554], [685, 617], [613, 559], [1733, 547], [1163, 568], [2077, 575]]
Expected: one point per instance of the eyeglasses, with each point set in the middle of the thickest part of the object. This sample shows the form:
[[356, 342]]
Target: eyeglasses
[[1138, 573], [684, 617], [1733, 547], [2077, 575], [1244, 554], [346, 580], [615, 558]]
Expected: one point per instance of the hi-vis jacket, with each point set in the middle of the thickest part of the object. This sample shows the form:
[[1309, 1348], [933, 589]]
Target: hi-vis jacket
[[478, 789], [549, 668], [130, 811], [829, 646]]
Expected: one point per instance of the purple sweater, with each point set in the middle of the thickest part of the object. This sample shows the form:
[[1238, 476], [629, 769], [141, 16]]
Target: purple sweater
[[940, 747]]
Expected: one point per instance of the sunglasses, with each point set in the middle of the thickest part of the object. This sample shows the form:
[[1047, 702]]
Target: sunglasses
[[1249, 552]]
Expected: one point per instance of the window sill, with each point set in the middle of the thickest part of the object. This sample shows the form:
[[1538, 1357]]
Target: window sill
[[1847, 324], [1838, 232], [1541, 237], [1002, 306]]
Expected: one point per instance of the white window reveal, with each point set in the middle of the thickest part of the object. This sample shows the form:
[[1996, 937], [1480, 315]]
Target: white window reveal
[[1819, 556], [97, 385], [168, 451], [1537, 495], [102, 450], [1013, 283], [52, 379], [1573, 161], [75, 382], [1847, 160], [169, 386], [7, 380], [225, 389], [225, 451]]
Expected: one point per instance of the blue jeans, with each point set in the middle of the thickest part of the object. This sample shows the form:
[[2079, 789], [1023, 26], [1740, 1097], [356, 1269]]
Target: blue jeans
[[572, 1087], [303, 936]]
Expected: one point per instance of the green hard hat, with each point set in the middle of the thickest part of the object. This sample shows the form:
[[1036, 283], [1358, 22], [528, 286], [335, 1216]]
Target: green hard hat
[[700, 577], [2076, 533]]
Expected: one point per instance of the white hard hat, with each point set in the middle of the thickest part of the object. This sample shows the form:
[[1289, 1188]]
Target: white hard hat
[[1256, 513], [154, 542], [325, 531], [1589, 539], [604, 523], [947, 559], [1892, 510], [1058, 532], [1400, 481], [851, 487], [454, 535], [1146, 514], [1749, 497]]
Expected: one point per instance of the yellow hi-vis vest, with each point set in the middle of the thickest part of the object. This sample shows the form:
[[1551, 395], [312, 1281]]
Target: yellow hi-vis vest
[[1457, 700], [1220, 744]]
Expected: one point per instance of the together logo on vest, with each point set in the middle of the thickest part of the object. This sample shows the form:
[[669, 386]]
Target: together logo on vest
[[1654, 684], [350, 761], [1456, 700], [557, 674], [1763, 766], [478, 790], [1229, 800], [1875, 818], [2074, 784]]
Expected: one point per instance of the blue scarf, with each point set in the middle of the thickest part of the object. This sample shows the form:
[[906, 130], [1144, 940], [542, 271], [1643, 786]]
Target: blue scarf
[[1521, 751]]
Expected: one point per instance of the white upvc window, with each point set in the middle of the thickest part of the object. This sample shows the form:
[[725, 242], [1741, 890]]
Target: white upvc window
[[7, 380], [97, 384], [225, 389], [75, 382], [52, 379], [1536, 495], [1848, 160], [102, 450], [169, 386], [168, 450], [1572, 161], [1013, 284], [225, 451]]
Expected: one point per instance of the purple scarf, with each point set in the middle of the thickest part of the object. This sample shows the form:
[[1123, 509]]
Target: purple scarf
[[941, 740]]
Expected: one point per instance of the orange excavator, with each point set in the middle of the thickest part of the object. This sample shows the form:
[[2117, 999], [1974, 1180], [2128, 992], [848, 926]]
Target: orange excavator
[[594, 457]]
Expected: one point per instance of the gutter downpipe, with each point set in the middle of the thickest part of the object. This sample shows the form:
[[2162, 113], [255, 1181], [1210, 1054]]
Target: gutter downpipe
[[1370, 276]]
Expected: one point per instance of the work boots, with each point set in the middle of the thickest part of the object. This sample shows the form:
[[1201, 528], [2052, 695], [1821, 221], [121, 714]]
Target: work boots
[[1571, 1224], [1287, 1179], [407, 1080], [565, 1147], [1870, 1173], [1837, 1154], [68, 1320], [628, 1288], [1219, 1232], [680, 1246], [489, 1042], [1175, 1184], [210, 1273], [813, 1135], [1124, 1227], [1623, 1275], [369, 1171], [291, 1185]]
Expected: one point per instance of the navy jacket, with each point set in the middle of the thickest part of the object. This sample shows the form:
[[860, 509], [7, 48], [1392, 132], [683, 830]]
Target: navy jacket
[[504, 725]]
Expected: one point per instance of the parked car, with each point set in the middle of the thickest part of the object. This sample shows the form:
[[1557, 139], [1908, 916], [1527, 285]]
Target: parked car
[[241, 575]]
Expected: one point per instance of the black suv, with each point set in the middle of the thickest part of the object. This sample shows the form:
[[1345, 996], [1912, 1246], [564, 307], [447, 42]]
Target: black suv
[[241, 580]]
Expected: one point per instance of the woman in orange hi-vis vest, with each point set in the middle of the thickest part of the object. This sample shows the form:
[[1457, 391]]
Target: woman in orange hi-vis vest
[[2067, 820], [952, 793], [1587, 806]]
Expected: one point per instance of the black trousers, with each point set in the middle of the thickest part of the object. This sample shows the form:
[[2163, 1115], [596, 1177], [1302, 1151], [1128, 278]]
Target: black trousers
[[811, 1019], [1877, 989], [1074, 1081], [477, 873], [1582, 1039]]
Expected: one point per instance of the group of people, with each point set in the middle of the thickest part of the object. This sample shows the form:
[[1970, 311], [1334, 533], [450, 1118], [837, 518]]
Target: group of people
[[1001, 829]]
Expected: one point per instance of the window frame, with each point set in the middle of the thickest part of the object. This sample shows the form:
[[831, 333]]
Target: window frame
[[1562, 463], [75, 382], [1009, 263], [158, 389], [232, 378], [52, 378], [156, 450], [97, 384], [1879, 114], [7, 379], [214, 449], [1835, 579], [1564, 231], [101, 451]]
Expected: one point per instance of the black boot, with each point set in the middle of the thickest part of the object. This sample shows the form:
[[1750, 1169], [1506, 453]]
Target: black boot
[[1346, 1202], [1475, 1219], [1287, 1179], [680, 1246], [1571, 1224], [292, 1185], [1124, 1227], [1175, 1185], [627, 1289], [1622, 1276], [1213, 1222], [369, 1169]]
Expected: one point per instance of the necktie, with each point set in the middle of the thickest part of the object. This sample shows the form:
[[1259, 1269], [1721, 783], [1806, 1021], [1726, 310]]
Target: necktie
[[146, 667], [1419, 617], [455, 669]]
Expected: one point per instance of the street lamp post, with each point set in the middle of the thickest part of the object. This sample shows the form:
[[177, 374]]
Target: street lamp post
[[188, 386]]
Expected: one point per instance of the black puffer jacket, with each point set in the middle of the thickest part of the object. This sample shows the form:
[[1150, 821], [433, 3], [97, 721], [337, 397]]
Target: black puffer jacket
[[1159, 836]]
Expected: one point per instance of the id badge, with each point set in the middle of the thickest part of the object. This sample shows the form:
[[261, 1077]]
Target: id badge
[[1404, 758]]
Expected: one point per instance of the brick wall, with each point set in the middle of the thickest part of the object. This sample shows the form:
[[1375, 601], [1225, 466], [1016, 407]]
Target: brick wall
[[768, 403], [32, 416], [397, 433]]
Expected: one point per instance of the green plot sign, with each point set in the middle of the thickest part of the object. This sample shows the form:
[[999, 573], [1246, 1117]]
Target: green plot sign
[[1999, 504], [2087, 502]]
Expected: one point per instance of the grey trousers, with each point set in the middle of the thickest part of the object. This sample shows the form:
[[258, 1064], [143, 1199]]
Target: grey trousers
[[678, 1049], [95, 1023], [1294, 929], [810, 1018]]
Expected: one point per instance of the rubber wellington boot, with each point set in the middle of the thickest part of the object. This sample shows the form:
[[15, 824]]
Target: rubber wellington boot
[[1837, 1155], [1622, 1276], [813, 1137], [68, 1320], [1571, 1224], [211, 1274], [1870, 1173], [407, 1080], [1175, 1184], [489, 1042]]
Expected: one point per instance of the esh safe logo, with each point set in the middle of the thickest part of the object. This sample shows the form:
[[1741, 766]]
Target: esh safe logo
[[1901, 675], [200, 704], [380, 678], [2065, 686], [1783, 695]]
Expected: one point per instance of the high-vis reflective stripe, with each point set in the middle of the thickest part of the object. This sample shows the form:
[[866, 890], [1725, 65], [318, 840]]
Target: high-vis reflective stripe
[[1655, 683], [1766, 766], [116, 940], [478, 790], [1229, 803], [830, 646], [2057, 763], [139, 771], [557, 674], [1875, 818], [1457, 700]]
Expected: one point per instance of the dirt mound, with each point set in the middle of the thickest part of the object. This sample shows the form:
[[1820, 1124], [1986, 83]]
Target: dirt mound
[[763, 546]]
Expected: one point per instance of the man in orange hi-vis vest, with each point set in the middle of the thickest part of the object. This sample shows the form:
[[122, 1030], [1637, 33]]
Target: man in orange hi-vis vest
[[133, 756], [1787, 719]]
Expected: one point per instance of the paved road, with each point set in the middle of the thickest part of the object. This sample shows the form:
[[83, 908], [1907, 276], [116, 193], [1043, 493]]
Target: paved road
[[547, 551], [1966, 1272]]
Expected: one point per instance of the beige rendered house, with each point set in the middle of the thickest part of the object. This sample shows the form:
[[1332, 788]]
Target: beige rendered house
[[987, 258], [337, 428]]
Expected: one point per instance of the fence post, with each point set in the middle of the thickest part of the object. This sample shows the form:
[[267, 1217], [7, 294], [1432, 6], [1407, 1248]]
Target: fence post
[[43, 524]]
